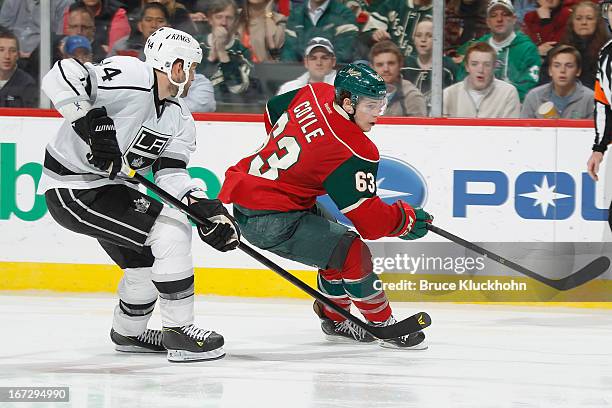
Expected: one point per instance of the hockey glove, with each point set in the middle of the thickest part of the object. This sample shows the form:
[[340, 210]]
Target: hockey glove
[[98, 130], [224, 235], [415, 221]]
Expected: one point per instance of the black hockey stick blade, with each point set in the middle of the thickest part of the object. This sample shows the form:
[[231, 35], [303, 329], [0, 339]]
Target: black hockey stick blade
[[402, 328], [412, 324], [580, 277]]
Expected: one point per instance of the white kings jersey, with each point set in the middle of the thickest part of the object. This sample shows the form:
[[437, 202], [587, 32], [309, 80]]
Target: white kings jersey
[[147, 129]]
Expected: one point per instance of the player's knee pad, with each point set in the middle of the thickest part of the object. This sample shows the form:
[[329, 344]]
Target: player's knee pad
[[338, 256], [358, 261], [170, 242], [137, 293]]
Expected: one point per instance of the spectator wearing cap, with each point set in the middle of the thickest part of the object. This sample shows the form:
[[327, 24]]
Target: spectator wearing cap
[[565, 96], [152, 16], [77, 47], [518, 61], [319, 60], [404, 99], [17, 88], [320, 18], [480, 94]]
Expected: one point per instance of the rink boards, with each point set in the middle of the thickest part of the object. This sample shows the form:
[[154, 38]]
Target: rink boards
[[487, 181]]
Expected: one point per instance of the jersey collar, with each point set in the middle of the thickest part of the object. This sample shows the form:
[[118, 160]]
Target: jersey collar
[[159, 105]]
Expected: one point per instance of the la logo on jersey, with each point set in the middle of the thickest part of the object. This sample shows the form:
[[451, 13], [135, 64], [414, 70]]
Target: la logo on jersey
[[145, 148]]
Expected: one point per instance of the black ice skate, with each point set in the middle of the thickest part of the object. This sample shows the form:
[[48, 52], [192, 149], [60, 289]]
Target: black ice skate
[[413, 341], [341, 332], [190, 343], [148, 342]]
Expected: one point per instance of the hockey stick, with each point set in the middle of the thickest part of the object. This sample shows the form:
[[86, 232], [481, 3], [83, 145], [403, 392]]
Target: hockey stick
[[581, 276], [412, 324]]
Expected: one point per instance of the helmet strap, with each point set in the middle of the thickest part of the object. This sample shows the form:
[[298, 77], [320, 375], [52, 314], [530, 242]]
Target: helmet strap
[[354, 101], [181, 85]]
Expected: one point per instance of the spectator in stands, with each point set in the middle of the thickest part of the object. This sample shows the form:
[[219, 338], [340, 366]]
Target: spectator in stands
[[320, 18], [110, 19], [587, 32], [17, 88], [22, 17], [178, 15], [77, 47], [404, 99], [417, 68], [225, 61], [319, 60], [570, 99], [80, 21], [464, 20], [480, 94], [518, 61], [152, 17], [546, 24], [262, 30], [201, 96], [396, 20]]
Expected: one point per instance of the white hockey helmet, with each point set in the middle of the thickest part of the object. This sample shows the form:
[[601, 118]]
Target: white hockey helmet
[[165, 46]]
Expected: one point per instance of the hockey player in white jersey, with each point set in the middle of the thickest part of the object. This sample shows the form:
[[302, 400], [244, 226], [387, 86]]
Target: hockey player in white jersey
[[127, 110]]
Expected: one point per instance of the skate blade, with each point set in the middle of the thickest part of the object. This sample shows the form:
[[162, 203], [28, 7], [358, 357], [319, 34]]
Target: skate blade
[[418, 347], [346, 340], [137, 349], [184, 356]]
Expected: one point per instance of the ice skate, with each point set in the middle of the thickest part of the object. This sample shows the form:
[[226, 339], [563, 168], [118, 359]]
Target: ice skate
[[413, 341], [190, 343], [341, 332], [148, 342]]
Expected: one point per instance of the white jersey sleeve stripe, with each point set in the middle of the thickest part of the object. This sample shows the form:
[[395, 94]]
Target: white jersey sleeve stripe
[[65, 83], [59, 64]]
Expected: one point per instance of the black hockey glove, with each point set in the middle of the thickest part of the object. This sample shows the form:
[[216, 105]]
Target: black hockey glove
[[224, 235], [98, 130]]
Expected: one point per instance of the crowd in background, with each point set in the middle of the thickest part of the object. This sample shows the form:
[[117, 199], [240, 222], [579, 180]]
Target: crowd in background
[[502, 58]]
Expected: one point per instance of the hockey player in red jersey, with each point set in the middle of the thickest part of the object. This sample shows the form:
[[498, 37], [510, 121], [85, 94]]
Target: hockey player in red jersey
[[316, 145]]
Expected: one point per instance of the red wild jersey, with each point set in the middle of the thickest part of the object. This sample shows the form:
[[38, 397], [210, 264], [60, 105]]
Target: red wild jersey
[[313, 149]]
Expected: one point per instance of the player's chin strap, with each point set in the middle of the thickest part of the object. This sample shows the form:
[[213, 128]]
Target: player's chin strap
[[181, 85]]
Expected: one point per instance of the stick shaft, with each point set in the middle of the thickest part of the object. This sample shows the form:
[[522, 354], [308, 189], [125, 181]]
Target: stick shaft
[[491, 255]]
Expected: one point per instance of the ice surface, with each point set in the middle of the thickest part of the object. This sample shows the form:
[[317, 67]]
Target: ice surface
[[479, 356]]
